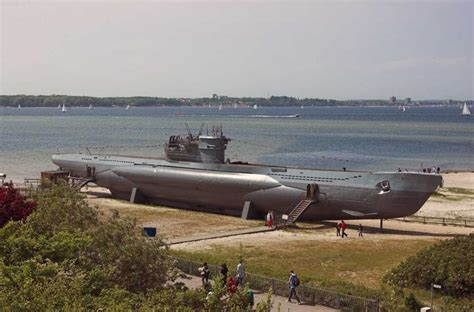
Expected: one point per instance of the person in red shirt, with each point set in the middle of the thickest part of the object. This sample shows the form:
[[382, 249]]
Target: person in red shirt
[[231, 287], [343, 228]]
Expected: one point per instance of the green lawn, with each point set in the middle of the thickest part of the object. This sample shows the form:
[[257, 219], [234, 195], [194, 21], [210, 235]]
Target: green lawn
[[358, 265]]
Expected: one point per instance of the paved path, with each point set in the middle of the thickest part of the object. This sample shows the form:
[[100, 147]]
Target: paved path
[[195, 282], [195, 238]]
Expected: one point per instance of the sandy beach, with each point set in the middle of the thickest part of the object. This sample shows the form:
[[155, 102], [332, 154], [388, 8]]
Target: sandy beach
[[454, 200]]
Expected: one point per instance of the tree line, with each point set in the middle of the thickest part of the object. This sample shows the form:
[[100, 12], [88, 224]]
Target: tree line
[[143, 101]]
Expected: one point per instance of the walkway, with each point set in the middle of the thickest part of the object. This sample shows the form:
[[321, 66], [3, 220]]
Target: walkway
[[195, 238], [195, 282]]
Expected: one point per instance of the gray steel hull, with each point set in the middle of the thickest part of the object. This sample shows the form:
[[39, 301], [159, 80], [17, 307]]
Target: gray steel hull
[[225, 188]]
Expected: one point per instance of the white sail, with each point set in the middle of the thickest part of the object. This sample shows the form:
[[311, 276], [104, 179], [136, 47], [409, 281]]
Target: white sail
[[19, 106], [90, 106], [302, 106], [59, 106], [255, 106], [220, 107], [465, 110], [128, 106], [403, 108], [64, 108]]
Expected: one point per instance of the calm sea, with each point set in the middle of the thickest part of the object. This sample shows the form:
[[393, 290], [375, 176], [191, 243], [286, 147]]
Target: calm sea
[[365, 138]]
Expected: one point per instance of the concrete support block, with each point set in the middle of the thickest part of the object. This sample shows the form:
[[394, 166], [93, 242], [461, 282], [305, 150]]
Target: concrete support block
[[248, 212], [136, 197]]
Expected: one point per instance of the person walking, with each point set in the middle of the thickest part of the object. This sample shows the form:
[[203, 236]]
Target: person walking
[[224, 270], [343, 228], [240, 273], [204, 272], [361, 229], [338, 229], [293, 282]]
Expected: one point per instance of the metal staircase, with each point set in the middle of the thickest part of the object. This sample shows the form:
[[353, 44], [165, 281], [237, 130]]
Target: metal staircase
[[298, 210]]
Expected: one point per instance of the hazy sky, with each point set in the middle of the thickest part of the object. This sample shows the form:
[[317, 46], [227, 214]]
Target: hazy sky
[[326, 49]]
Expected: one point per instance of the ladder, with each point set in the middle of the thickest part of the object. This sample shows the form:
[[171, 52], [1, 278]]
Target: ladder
[[298, 210]]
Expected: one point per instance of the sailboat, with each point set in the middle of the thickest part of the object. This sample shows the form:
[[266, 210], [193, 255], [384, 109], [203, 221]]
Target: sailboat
[[235, 105], [255, 106], [220, 107], [465, 110], [64, 108], [302, 106], [90, 106], [403, 108], [127, 108], [59, 106], [19, 106]]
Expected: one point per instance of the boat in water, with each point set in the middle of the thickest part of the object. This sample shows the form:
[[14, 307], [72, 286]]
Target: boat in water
[[127, 107], [195, 174], [465, 110], [64, 108]]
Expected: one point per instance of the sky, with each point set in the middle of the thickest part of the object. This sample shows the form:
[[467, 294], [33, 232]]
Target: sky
[[325, 49]]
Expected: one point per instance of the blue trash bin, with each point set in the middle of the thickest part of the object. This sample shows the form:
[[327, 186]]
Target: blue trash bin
[[149, 231]]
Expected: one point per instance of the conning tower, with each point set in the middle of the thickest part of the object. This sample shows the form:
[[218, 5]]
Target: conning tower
[[209, 148]]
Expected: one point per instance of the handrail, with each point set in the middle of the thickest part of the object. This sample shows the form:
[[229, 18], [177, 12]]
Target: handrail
[[279, 287], [466, 222]]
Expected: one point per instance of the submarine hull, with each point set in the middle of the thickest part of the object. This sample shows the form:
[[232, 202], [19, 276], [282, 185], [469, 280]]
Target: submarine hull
[[224, 188]]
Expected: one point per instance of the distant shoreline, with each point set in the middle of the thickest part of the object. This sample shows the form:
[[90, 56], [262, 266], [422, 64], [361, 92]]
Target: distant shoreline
[[214, 101], [241, 106]]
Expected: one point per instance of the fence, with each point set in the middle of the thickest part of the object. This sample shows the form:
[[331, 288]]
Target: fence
[[437, 220], [306, 293]]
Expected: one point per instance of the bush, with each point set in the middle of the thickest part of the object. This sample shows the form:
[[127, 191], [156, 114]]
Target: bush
[[449, 263], [13, 206], [66, 257]]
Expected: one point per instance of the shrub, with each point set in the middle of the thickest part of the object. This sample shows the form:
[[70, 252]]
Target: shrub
[[449, 263], [13, 206]]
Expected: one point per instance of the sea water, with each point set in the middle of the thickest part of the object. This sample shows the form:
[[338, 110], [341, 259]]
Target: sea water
[[357, 138]]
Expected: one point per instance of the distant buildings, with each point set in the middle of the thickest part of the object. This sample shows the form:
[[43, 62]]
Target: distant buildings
[[392, 100]]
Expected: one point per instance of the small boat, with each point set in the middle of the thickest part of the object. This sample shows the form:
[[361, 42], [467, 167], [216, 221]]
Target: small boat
[[64, 108], [465, 110], [90, 106], [59, 106], [302, 106], [19, 106], [235, 105], [403, 108], [220, 107], [128, 107], [255, 106]]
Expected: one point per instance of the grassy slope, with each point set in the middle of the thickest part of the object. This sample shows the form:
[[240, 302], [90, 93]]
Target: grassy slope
[[354, 264]]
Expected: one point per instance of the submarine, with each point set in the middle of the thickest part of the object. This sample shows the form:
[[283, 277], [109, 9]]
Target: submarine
[[194, 174]]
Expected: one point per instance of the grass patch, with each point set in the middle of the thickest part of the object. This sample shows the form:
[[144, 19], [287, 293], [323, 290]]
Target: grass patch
[[172, 222], [350, 266]]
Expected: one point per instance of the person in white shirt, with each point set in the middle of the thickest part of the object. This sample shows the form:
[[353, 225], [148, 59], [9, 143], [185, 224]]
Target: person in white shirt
[[240, 272]]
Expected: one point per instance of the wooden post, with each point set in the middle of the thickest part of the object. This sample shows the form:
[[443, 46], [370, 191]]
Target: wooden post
[[381, 225]]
